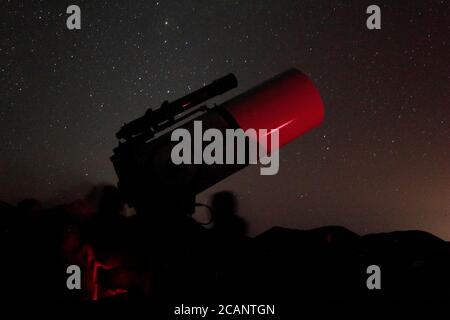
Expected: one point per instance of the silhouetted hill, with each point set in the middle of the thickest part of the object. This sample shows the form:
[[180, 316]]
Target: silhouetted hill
[[331, 262]]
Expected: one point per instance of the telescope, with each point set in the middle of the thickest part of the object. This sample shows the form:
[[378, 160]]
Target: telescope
[[157, 120], [289, 103]]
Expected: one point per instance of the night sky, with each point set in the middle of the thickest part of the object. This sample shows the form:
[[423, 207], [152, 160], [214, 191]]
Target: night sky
[[380, 161]]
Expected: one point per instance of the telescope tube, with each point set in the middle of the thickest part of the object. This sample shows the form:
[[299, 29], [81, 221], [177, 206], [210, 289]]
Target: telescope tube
[[289, 103]]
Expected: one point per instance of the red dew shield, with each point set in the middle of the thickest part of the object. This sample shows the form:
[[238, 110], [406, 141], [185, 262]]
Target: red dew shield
[[289, 102]]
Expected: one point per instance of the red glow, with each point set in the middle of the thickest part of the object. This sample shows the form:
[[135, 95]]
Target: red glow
[[289, 103], [96, 266]]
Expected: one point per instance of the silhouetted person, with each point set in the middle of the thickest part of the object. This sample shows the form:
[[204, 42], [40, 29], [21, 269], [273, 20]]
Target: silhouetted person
[[225, 221]]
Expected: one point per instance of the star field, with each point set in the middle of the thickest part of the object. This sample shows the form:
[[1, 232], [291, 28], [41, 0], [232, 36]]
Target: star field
[[379, 162]]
